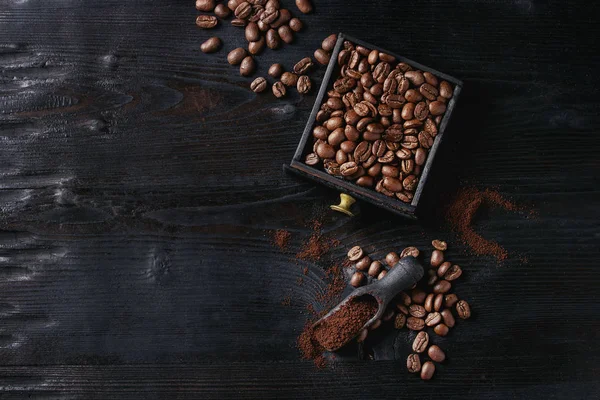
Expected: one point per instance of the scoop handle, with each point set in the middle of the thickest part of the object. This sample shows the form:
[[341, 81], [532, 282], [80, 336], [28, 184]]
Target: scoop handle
[[402, 276]]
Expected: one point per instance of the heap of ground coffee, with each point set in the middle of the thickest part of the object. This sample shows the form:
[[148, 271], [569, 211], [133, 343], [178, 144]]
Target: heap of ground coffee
[[343, 325]]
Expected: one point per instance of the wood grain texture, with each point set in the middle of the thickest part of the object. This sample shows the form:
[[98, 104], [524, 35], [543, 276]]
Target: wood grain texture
[[140, 183]]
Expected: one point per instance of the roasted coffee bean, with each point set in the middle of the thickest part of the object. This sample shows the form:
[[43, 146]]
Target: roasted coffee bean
[[362, 151], [331, 168], [362, 50], [437, 258], [343, 57], [442, 286], [446, 90], [322, 56], [262, 26], [410, 183], [222, 11], [382, 274], [381, 189], [392, 259], [413, 123], [408, 166], [388, 58], [322, 116], [425, 139], [348, 146], [430, 127], [355, 253], [373, 57], [211, 45], [417, 311], [247, 66], [258, 85], [289, 79], [256, 14], [305, 6], [402, 308], [428, 91], [370, 161], [316, 144], [334, 122], [366, 79], [286, 34], [320, 132], [403, 86], [450, 300], [439, 245], [276, 70], [410, 251], [354, 59], [433, 319], [418, 296], [421, 111], [375, 267], [406, 299], [329, 42], [352, 133], [206, 21], [303, 66], [363, 123], [392, 184], [312, 159], [381, 71], [437, 107], [378, 148], [252, 32], [420, 156], [413, 96], [324, 150], [391, 171], [363, 66], [430, 78], [438, 120], [421, 342], [205, 5], [362, 109], [429, 302], [415, 77], [453, 273], [256, 47], [273, 39], [232, 4], [436, 354], [463, 309], [304, 84], [376, 89], [395, 100], [344, 85], [243, 10], [336, 137], [413, 363], [432, 277], [408, 111], [295, 24], [403, 154], [399, 321], [384, 110], [269, 4], [365, 181], [269, 16], [448, 318], [364, 263], [415, 324], [443, 268], [335, 103], [341, 157], [348, 168], [357, 279], [375, 170], [441, 329]]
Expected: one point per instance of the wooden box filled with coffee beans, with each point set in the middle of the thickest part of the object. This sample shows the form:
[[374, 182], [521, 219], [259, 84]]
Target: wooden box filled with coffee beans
[[377, 123]]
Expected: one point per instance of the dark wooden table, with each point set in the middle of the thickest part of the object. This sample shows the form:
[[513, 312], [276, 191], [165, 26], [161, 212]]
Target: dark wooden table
[[141, 181]]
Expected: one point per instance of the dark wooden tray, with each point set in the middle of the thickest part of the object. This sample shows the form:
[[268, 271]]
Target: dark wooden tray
[[298, 166]]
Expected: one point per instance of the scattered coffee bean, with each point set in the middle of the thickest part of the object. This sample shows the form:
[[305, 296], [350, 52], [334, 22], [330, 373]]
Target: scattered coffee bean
[[433, 319], [303, 66], [329, 43], [432, 277], [405, 298], [439, 245], [305, 6], [232, 4], [295, 24], [375, 268], [258, 85], [289, 79], [417, 311], [410, 251], [446, 90], [363, 264], [415, 324], [206, 21], [222, 11], [304, 85], [448, 318], [391, 258], [436, 353], [322, 56], [257, 47], [442, 287], [286, 34], [438, 302], [279, 91], [237, 22], [357, 279], [247, 66], [463, 310], [427, 370], [399, 321], [453, 273], [355, 253], [441, 330], [421, 342], [312, 159], [273, 39], [413, 363], [418, 296], [275, 70], [437, 257], [429, 302], [450, 300], [211, 45], [205, 5], [243, 10], [443, 268]]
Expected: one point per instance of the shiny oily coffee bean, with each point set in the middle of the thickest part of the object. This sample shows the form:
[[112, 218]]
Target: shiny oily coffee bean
[[269, 16], [415, 77], [363, 66], [421, 342], [357, 279], [429, 302], [257, 47], [303, 66], [399, 321], [247, 66], [375, 170], [344, 85], [334, 122], [275, 70], [348, 146], [304, 84], [430, 127], [438, 302], [296, 25], [370, 161], [432, 277], [286, 34], [324, 150], [404, 154], [320, 132], [405, 299], [341, 157], [410, 183], [437, 107], [222, 11], [442, 287], [448, 318], [375, 268], [408, 111], [413, 363], [433, 319], [392, 184], [273, 39], [427, 370], [336, 137], [418, 296], [453, 273], [430, 78], [436, 353], [348, 168], [428, 91], [363, 264], [390, 170], [425, 140], [355, 253], [441, 330], [329, 42], [413, 96], [205, 5], [417, 311], [446, 90], [415, 324], [362, 151], [410, 251], [289, 79], [420, 156], [243, 10], [259, 85], [365, 181], [408, 166], [252, 33], [463, 309], [211, 45], [392, 259], [305, 6], [232, 4], [437, 258], [322, 56], [439, 245], [421, 111], [206, 21], [450, 300], [388, 58], [312, 159]]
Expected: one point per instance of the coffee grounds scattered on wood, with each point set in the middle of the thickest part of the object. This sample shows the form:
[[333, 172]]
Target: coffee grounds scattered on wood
[[462, 211], [317, 244], [334, 289], [343, 325], [281, 238], [310, 348]]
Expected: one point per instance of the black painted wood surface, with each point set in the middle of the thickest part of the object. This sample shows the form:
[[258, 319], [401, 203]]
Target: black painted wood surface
[[141, 180]]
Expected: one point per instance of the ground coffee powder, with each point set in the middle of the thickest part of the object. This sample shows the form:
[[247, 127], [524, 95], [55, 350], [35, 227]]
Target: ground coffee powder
[[281, 238]]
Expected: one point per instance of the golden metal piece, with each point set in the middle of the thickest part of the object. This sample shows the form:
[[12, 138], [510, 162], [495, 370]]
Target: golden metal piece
[[346, 202]]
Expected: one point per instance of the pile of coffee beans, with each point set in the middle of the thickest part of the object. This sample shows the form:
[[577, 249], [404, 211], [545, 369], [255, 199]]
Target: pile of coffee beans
[[379, 122], [428, 306], [266, 24]]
